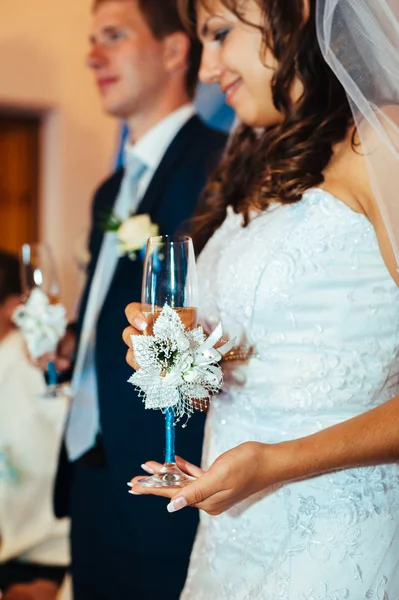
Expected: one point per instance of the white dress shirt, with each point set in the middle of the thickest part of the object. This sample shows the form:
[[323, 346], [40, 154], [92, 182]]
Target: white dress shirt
[[151, 148]]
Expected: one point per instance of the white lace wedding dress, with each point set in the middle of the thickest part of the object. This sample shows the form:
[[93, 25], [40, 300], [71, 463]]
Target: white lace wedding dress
[[306, 285]]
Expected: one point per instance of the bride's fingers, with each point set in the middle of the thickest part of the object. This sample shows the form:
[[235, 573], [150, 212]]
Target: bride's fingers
[[198, 493], [127, 335], [188, 468], [128, 332], [137, 490], [151, 467], [130, 360], [135, 316], [211, 492]]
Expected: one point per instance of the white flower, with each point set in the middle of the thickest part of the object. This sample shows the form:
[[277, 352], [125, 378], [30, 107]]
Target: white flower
[[191, 376], [177, 365], [172, 379], [180, 371], [182, 342], [185, 362], [133, 234], [42, 324]]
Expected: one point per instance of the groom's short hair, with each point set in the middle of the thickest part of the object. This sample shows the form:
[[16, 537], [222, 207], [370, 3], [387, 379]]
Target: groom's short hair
[[162, 17]]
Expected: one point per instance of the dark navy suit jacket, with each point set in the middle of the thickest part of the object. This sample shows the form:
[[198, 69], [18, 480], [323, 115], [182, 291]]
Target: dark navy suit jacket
[[131, 434]]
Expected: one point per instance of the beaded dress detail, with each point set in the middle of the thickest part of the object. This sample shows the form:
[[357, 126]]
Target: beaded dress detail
[[305, 286]]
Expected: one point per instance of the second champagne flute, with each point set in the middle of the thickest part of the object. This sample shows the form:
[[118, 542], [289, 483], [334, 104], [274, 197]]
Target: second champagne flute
[[38, 271]]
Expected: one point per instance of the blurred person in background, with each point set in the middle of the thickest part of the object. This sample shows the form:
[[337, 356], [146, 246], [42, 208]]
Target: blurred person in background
[[145, 67], [34, 547]]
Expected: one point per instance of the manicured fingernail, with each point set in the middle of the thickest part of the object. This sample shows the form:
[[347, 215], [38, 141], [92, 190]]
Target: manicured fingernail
[[129, 483], [148, 469], [140, 324], [176, 504], [134, 493]]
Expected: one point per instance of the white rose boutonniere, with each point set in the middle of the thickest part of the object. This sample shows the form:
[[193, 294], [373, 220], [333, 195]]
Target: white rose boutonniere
[[132, 234]]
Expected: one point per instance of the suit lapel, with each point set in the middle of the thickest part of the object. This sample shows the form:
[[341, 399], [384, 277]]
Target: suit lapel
[[153, 195], [106, 200], [174, 152]]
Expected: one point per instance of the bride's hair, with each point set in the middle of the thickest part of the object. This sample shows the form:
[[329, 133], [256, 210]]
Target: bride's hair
[[282, 161]]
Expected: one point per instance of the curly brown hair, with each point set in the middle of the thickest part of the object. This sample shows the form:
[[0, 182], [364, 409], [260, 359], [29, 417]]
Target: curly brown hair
[[284, 160]]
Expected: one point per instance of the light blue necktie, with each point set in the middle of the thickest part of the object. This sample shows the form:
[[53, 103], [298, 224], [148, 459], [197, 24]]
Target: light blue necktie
[[84, 420]]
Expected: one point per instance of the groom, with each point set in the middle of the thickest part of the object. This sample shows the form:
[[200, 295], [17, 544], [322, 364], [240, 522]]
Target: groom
[[145, 67]]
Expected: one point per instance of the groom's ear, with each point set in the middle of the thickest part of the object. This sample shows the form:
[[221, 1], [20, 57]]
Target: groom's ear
[[176, 51], [305, 11]]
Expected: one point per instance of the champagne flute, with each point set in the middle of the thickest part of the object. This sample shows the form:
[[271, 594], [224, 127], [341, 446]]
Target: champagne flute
[[169, 277], [38, 270]]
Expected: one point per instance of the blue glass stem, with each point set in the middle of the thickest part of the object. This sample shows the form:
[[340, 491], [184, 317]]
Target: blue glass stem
[[52, 374], [170, 456]]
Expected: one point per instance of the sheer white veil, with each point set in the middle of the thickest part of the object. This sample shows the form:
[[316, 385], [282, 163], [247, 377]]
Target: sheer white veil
[[360, 42]]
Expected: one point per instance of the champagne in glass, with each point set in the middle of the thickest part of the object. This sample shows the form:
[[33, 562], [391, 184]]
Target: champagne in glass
[[188, 317], [38, 271], [169, 277]]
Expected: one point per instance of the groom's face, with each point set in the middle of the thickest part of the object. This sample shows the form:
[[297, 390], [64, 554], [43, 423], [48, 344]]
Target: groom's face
[[126, 58]]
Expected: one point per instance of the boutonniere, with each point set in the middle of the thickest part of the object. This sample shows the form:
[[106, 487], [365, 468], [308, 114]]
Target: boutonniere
[[132, 234]]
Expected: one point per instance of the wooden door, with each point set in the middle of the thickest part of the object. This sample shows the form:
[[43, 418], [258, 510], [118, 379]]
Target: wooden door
[[19, 177]]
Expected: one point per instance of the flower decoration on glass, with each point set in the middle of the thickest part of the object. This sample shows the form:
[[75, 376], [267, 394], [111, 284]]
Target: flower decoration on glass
[[42, 324], [179, 368]]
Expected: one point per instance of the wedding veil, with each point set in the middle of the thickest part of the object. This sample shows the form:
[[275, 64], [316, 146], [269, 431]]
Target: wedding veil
[[360, 42]]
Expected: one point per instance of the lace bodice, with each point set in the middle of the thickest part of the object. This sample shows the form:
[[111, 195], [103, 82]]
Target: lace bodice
[[304, 284]]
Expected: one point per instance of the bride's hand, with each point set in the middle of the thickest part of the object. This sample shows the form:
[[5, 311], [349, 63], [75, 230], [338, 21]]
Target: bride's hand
[[233, 477], [138, 324]]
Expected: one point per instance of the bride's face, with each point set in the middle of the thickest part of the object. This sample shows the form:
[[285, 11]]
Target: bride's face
[[235, 57]]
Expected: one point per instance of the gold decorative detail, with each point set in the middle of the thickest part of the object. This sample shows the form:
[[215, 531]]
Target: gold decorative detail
[[241, 353]]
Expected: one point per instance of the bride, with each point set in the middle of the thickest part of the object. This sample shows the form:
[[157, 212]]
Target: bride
[[298, 263]]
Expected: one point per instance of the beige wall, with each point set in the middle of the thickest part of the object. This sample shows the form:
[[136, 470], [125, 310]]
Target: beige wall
[[42, 50]]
